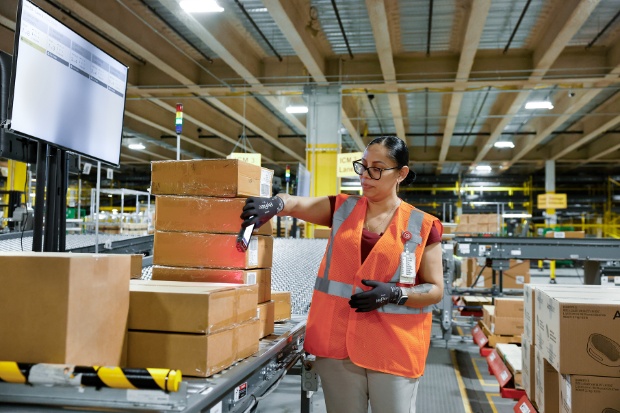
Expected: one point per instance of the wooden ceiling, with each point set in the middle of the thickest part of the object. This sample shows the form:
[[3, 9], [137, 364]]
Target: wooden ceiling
[[451, 99]]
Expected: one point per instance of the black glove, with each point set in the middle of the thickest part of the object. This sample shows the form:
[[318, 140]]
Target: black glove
[[259, 210], [380, 295]]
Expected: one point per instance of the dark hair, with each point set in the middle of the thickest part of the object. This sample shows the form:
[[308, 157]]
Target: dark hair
[[398, 152]]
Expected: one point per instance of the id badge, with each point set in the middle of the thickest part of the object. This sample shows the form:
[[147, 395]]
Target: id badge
[[407, 268]]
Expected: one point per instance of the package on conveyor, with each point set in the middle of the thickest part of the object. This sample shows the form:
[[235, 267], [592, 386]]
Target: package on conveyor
[[512, 357], [514, 277], [210, 177], [63, 308], [266, 315], [260, 276], [199, 328], [507, 319], [282, 301]]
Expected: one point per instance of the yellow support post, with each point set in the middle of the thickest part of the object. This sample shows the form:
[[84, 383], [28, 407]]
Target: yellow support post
[[322, 162], [552, 272], [16, 179]]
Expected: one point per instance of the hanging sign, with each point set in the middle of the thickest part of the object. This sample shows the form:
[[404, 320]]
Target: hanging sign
[[345, 163], [552, 201], [252, 158]]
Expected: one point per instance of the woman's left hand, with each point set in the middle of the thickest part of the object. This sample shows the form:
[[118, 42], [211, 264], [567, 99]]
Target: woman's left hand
[[380, 295]]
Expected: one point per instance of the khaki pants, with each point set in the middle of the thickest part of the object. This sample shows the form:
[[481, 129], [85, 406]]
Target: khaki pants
[[348, 388]]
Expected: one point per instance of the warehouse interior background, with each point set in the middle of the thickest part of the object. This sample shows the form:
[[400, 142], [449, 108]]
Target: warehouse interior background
[[451, 78]]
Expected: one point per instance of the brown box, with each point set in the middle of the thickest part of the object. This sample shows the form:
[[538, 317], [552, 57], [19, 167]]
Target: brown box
[[547, 382], [507, 326], [464, 219], [63, 308], [266, 315], [565, 234], [210, 177], [528, 368], [517, 274], [202, 214], [136, 266], [194, 249], [196, 355], [246, 339], [577, 334], [488, 311], [186, 307], [282, 305], [589, 394], [509, 307], [260, 277]]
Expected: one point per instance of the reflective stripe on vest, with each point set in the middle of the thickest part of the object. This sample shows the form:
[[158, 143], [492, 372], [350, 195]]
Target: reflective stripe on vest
[[344, 290]]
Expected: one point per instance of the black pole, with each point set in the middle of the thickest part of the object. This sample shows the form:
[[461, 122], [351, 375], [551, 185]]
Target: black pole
[[294, 228], [50, 202], [278, 226], [62, 211], [39, 206]]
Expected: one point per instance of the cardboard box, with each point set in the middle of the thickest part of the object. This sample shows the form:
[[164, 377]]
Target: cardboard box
[[202, 214], [266, 315], [210, 177], [529, 303], [565, 234], [488, 311], [282, 305], [246, 339], [578, 335], [589, 394], [261, 277], [136, 266], [507, 326], [63, 308], [528, 368], [547, 386], [517, 274], [196, 355], [186, 307], [511, 354], [509, 307], [197, 249]]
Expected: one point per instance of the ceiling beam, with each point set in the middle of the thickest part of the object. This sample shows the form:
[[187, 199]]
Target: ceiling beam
[[219, 39], [563, 24], [287, 16], [478, 12], [383, 44]]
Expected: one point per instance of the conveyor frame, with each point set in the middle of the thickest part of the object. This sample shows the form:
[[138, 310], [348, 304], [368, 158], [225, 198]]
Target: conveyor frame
[[257, 375]]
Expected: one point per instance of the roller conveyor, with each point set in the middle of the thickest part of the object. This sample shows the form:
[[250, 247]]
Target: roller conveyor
[[84, 243]]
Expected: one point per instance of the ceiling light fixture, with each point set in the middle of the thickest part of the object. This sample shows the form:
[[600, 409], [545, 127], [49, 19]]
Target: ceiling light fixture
[[483, 168], [136, 146], [539, 104], [504, 144], [201, 6], [297, 109], [517, 215]]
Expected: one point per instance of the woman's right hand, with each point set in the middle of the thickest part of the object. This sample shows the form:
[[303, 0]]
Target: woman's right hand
[[258, 210]]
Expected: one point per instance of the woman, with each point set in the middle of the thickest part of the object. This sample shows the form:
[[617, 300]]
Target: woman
[[369, 323]]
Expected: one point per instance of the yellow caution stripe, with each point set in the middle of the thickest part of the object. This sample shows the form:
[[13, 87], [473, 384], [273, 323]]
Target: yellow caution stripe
[[114, 377], [11, 372], [166, 379]]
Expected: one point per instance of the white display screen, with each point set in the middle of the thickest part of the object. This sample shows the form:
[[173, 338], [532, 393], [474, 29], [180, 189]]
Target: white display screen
[[66, 91]]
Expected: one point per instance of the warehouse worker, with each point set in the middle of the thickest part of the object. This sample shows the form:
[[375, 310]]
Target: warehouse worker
[[369, 324]]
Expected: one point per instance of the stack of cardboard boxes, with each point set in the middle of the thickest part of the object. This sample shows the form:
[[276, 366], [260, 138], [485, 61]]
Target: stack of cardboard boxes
[[571, 348], [514, 277], [478, 224], [196, 225]]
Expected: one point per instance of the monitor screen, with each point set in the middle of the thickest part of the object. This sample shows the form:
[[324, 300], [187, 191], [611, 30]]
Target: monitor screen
[[65, 91]]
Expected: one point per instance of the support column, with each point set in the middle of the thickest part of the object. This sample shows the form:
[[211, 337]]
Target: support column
[[551, 218], [323, 141]]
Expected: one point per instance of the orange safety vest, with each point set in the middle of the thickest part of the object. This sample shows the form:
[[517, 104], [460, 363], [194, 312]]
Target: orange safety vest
[[392, 339]]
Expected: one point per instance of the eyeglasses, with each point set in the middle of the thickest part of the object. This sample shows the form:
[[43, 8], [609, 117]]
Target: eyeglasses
[[373, 172]]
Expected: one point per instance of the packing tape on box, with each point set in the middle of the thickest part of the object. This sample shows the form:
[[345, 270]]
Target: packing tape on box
[[95, 376]]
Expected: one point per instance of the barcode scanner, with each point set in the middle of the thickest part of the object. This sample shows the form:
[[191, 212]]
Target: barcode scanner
[[243, 238]]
